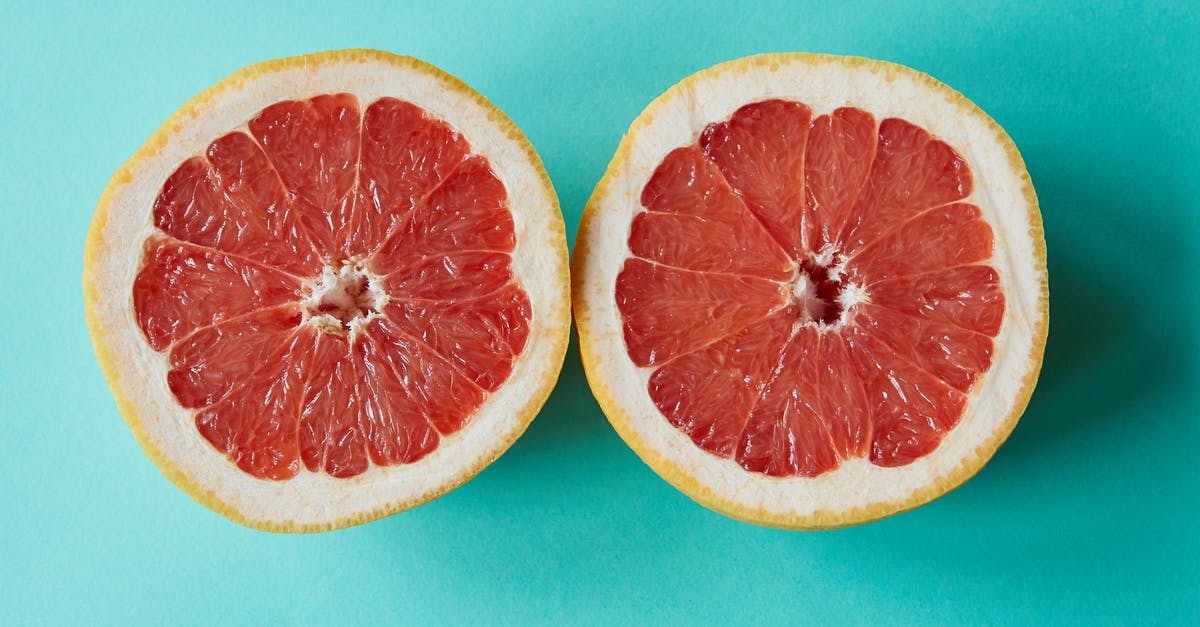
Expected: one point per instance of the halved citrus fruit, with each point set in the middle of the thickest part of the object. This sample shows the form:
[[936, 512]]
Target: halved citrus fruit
[[811, 290], [329, 288]]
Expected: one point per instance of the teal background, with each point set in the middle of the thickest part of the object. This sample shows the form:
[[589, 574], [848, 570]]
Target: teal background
[[1088, 514]]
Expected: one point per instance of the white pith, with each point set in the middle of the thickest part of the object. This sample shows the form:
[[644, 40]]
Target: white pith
[[316, 500], [824, 86]]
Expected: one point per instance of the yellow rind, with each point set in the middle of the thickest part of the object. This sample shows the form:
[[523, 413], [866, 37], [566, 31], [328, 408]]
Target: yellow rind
[[679, 476], [95, 248]]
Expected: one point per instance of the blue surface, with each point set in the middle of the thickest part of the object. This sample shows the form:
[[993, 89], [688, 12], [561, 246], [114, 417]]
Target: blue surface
[[1089, 514]]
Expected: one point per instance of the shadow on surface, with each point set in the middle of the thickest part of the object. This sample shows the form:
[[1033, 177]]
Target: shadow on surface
[[571, 411], [1112, 344]]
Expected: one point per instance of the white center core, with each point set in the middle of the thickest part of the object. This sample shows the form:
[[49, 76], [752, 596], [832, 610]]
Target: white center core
[[804, 291], [822, 294], [342, 301]]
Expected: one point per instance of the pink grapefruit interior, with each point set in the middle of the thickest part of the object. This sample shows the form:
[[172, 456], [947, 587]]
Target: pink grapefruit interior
[[333, 286], [811, 289]]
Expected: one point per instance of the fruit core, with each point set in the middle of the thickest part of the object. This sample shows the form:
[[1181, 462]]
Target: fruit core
[[340, 301], [820, 293]]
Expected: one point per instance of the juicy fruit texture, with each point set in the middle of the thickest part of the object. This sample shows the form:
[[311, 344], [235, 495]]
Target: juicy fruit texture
[[809, 290], [333, 286]]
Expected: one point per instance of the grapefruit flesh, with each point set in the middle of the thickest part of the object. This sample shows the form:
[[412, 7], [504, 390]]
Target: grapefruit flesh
[[740, 262], [333, 286]]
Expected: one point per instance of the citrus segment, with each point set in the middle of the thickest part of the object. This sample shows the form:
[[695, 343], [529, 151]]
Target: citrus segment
[[760, 151], [966, 296], [938, 239], [955, 355], [331, 434], [440, 394], [250, 424], [364, 279], [465, 211], [232, 201], [708, 393], [313, 146], [695, 221], [840, 150], [670, 312], [785, 435], [183, 287], [209, 363], [842, 399], [864, 339], [450, 276], [405, 154], [395, 428], [911, 172], [481, 338], [910, 408]]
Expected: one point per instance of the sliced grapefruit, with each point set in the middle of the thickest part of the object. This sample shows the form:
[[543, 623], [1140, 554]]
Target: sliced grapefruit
[[811, 290], [329, 288]]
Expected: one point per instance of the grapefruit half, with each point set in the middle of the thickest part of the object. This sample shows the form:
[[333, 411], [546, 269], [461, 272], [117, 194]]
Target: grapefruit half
[[329, 288], [811, 290]]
